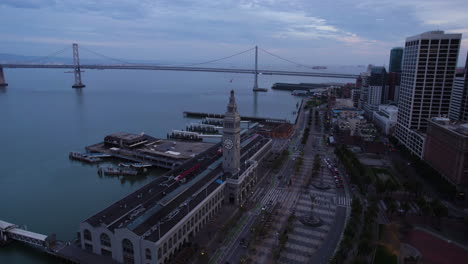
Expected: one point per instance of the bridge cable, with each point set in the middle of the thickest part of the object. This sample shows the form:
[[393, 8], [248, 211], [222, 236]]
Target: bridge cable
[[47, 56], [107, 57], [215, 60], [290, 61]]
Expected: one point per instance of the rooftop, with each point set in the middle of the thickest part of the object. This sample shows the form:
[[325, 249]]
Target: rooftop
[[126, 135], [461, 128], [155, 208]]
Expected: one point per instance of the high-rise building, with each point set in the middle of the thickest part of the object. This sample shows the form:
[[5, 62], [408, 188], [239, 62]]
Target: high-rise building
[[396, 55], [374, 87], [428, 72], [393, 87], [458, 98], [355, 94], [359, 82]]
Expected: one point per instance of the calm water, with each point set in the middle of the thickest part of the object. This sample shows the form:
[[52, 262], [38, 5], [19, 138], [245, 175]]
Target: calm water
[[42, 118]]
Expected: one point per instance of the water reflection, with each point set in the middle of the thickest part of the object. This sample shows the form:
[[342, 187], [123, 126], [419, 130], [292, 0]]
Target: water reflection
[[3, 89], [79, 96], [255, 105]]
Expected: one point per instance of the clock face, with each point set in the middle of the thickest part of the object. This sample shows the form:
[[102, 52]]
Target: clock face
[[228, 144]]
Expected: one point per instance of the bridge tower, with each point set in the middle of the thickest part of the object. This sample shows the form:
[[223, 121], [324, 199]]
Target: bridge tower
[[255, 87], [2, 78], [77, 70]]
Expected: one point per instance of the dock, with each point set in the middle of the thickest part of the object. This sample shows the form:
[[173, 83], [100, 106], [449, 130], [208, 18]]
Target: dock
[[298, 86], [65, 251], [244, 118]]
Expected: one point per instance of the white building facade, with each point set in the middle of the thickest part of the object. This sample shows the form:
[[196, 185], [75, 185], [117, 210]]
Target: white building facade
[[386, 118], [428, 72]]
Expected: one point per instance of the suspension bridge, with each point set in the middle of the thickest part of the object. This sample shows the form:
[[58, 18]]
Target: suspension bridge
[[76, 67]]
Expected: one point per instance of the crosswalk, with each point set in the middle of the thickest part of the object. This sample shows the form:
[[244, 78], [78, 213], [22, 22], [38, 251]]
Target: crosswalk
[[272, 196], [295, 155], [342, 201], [413, 208]]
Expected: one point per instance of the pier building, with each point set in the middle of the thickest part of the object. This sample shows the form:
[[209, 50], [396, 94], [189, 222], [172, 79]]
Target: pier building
[[153, 223], [161, 153]]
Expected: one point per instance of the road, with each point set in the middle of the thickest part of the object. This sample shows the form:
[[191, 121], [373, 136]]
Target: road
[[305, 244]]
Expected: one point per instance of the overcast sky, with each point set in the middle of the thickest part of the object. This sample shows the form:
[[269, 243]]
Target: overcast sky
[[313, 32]]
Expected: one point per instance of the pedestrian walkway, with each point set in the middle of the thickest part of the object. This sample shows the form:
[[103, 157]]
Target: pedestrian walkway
[[304, 240], [273, 196], [342, 201]]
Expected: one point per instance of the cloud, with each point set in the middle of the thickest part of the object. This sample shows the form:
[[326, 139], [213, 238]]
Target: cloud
[[33, 4], [207, 27]]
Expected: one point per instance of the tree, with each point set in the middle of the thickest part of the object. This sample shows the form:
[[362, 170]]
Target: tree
[[439, 210], [380, 186], [391, 186], [405, 207], [391, 206], [364, 248]]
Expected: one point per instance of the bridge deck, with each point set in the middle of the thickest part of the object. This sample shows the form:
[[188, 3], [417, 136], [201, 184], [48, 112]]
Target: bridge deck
[[5, 225], [29, 234], [181, 68]]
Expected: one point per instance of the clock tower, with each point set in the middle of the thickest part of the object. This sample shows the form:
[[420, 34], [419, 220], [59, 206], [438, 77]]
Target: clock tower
[[231, 139]]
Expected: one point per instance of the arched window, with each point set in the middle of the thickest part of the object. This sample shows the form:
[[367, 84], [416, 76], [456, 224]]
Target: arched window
[[148, 254], [127, 248], [87, 235], [159, 253], [105, 240]]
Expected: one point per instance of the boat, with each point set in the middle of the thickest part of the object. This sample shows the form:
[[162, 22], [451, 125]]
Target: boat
[[319, 67], [260, 90], [140, 165], [111, 171], [83, 157]]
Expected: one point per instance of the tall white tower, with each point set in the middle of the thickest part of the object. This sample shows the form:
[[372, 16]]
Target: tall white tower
[[428, 72], [231, 139]]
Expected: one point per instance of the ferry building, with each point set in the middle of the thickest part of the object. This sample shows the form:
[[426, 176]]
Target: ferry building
[[153, 223]]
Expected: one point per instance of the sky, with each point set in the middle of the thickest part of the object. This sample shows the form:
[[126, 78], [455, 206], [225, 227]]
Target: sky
[[312, 32]]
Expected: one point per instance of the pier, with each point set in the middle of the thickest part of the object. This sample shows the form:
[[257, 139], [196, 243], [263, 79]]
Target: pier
[[244, 118], [65, 251]]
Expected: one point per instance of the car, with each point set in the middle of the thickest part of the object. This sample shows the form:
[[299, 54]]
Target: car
[[337, 178], [242, 241], [339, 186]]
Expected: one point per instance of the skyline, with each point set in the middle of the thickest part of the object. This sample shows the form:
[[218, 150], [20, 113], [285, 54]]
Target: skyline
[[362, 32]]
